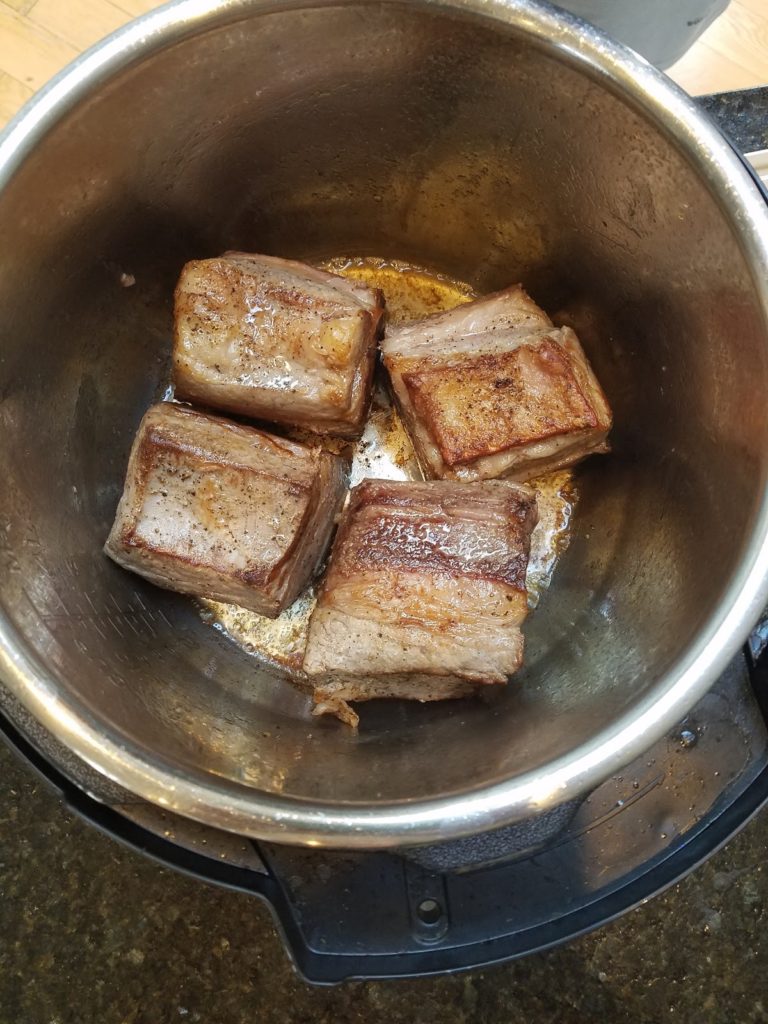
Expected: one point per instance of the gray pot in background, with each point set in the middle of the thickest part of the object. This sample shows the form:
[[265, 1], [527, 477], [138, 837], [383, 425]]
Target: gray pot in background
[[661, 30]]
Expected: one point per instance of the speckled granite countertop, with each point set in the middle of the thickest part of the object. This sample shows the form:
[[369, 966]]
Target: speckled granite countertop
[[742, 115], [93, 934]]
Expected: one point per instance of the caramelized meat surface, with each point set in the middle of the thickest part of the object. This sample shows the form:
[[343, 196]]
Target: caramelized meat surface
[[224, 511], [495, 391], [276, 340], [424, 595]]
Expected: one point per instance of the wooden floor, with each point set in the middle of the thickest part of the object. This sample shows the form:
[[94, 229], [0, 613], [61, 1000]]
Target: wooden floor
[[38, 37]]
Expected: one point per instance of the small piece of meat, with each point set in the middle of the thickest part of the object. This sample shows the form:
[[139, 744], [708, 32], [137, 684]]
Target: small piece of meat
[[493, 389], [424, 594], [276, 340], [224, 511]]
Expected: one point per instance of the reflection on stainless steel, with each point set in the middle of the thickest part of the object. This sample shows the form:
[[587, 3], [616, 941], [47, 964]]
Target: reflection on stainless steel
[[556, 496], [434, 133], [385, 450]]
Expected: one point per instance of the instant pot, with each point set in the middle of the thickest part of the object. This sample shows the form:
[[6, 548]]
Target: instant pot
[[496, 142]]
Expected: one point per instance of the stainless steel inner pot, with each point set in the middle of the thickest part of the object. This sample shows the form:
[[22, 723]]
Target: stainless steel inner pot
[[495, 141]]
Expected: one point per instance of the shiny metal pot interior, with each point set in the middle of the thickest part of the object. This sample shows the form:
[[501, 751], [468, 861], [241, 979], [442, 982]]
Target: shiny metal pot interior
[[496, 141]]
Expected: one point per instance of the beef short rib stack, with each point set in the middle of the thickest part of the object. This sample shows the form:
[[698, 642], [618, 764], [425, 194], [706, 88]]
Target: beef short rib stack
[[424, 595], [425, 591], [225, 511], [492, 389]]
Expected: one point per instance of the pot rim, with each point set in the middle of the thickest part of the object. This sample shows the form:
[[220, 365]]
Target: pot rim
[[232, 806]]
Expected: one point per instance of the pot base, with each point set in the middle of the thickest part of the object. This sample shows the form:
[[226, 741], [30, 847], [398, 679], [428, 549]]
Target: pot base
[[356, 915]]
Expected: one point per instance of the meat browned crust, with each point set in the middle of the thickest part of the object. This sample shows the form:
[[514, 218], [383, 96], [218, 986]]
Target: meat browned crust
[[424, 593], [224, 511], [497, 392], [277, 340]]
